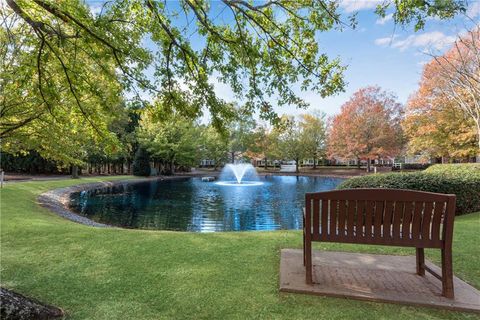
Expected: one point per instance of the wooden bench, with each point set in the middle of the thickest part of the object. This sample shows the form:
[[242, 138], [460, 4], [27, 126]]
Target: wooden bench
[[388, 217]]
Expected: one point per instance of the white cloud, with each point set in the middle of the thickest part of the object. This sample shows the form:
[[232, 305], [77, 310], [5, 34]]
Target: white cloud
[[385, 41], [356, 5], [431, 40], [385, 19], [474, 9]]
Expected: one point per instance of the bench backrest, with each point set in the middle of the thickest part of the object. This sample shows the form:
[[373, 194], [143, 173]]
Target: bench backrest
[[381, 216]]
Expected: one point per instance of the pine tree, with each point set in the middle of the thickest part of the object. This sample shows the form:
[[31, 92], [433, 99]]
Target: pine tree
[[141, 163]]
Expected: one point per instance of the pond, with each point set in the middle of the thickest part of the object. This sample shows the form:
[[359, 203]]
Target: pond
[[191, 204]]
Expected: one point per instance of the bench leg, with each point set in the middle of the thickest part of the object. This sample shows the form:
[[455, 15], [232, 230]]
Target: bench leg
[[304, 252], [420, 261], [308, 261], [447, 274]]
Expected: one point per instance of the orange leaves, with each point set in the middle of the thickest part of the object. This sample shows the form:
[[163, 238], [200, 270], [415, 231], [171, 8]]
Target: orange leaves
[[367, 127], [441, 116]]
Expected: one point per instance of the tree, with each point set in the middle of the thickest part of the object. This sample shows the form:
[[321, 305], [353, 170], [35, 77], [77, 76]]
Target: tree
[[266, 144], [172, 140], [457, 78], [314, 135], [241, 135], [291, 141], [141, 163], [65, 66], [214, 146], [367, 127], [53, 97], [435, 126]]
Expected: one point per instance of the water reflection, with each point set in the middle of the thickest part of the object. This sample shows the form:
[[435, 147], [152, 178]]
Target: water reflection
[[193, 205]]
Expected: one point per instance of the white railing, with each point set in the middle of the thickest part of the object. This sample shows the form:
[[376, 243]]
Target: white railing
[[288, 168]]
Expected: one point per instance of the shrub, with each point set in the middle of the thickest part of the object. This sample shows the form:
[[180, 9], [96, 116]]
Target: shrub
[[456, 169], [141, 163], [461, 180], [414, 166]]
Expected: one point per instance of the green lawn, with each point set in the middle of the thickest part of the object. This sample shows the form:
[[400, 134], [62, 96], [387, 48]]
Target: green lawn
[[130, 274]]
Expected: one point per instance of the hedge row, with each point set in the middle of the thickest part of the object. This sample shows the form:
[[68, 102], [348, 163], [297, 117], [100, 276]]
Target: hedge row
[[31, 162], [462, 180], [456, 169]]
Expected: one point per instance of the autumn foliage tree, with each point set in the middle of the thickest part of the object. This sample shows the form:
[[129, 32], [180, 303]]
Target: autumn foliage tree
[[443, 116], [266, 144], [367, 127]]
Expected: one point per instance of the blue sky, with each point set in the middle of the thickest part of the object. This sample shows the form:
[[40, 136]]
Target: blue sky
[[376, 52]]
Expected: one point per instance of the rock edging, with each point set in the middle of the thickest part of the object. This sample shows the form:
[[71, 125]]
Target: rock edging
[[58, 200]]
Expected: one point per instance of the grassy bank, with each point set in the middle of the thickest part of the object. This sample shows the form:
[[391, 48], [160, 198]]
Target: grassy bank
[[132, 274]]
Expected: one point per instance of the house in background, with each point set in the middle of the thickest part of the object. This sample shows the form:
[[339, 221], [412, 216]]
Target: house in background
[[206, 163], [417, 159]]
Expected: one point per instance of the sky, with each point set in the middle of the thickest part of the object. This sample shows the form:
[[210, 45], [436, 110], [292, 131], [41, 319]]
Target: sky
[[379, 53], [376, 52]]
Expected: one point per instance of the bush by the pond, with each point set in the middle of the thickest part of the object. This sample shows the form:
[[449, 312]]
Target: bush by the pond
[[141, 163], [459, 179], [456, 169], [414, 166]]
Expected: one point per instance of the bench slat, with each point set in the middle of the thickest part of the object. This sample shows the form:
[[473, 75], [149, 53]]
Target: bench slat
[[407, 220], [417, 220], [391, 242], [379, 195], [332, 218], [397, 219], [324, 218], [369, 213], [352, 207], [342, 215], [316, 217], [360, 219], [427, 217], [379, 208], [437, 219], [387, 220]]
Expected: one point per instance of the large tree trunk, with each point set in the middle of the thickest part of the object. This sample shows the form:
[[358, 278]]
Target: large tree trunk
[[314, 163], [478, 140], [296, 165], [75, 172], [18, 307], [358, 163], [368, 165], [233, 156], [265, 163]]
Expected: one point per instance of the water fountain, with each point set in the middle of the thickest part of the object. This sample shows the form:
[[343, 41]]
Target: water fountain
[[239, 174]]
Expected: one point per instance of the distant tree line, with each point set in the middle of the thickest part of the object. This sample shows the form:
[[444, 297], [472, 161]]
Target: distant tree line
[[440, 120]]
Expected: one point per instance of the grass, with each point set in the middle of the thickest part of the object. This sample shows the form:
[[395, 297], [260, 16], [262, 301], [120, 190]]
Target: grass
[[133, 274]]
